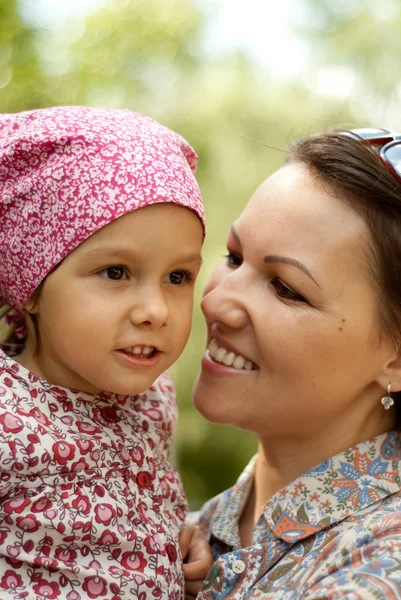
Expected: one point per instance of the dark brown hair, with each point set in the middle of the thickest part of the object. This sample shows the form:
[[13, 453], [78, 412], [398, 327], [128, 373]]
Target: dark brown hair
[[355, 173]]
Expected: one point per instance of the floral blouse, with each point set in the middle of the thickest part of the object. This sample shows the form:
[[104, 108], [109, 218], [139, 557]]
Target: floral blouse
[[89, 505], [334, 533]]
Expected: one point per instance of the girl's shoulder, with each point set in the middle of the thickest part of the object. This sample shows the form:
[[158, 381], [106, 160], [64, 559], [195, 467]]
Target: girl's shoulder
[[163, 387], [157, 406]]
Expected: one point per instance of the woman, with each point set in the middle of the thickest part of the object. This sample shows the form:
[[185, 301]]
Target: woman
[[303, 349]]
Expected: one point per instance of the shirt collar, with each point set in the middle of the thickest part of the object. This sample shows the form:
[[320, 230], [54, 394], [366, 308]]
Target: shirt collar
[[230, 505], [337, 488]]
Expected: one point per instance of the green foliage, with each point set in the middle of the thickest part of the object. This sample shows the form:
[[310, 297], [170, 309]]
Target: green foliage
[[20, 76], [148, 56], [362, 34]]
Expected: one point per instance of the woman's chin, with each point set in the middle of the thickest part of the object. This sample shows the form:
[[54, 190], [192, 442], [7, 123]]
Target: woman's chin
[[211, 404]]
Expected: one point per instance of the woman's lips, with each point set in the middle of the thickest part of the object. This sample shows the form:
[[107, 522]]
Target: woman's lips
[[209, 364], [229, 357], [223, 361]]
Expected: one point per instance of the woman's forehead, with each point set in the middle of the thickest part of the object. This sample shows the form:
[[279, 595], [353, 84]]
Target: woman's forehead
[[293, 200], [290, 213]]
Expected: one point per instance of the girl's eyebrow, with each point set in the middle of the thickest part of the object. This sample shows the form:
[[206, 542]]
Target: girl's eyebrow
[[279, 259], [192, 257], [112, 252], [115, 252]]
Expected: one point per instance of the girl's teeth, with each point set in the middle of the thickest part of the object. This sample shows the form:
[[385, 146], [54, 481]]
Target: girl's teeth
[[140, 350], [220, 354]]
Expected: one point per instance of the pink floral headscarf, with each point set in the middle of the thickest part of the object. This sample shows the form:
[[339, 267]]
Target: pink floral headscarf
[[66, 172]]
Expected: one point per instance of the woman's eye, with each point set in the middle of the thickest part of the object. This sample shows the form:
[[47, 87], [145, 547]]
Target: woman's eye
[[114, 273], [178, 277], [286, 292], [233, 259]]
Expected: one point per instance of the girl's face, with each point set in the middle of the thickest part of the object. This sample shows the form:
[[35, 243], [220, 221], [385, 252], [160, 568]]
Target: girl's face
[[117, 312], [293, 332]]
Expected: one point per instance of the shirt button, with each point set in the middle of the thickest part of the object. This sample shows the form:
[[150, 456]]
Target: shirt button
[[144, 479], [238, 566]]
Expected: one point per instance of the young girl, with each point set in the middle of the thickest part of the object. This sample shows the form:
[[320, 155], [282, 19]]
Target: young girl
[[101, 228]]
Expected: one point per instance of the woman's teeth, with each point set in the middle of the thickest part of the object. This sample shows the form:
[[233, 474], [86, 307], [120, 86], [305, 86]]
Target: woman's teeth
[[221, 355], [141, 351]]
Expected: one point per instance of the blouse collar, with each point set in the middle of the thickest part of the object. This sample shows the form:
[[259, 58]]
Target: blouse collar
[[336, 489]]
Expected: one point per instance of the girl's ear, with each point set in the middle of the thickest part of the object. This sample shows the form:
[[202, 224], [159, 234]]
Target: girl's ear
[[32, 306]]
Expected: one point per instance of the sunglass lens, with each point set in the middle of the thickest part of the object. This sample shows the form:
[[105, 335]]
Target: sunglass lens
[[392, 155], [367, 133], [372, 135]]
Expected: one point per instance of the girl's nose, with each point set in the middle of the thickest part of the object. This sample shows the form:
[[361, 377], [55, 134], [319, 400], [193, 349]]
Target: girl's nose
[[150, 309]]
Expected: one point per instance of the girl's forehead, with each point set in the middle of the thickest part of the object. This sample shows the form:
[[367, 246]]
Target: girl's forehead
[[144, 239], [139, 227]]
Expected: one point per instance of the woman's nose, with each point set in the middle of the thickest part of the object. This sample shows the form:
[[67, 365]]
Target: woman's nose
[[150, 309], [225, 302]]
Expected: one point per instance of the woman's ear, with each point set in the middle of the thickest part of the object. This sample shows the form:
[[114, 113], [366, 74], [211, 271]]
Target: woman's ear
[[391, 373]]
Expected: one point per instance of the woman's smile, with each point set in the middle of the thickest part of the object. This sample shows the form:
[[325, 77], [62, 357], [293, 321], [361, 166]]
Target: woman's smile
[[222, 353]]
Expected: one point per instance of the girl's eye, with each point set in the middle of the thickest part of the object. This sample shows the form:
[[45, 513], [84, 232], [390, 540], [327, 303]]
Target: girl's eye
[[114, 273], [233, 260], [286, 292], [178, 277]]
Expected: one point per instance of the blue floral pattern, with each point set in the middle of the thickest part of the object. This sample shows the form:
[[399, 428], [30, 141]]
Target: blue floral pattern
[[334, 533]]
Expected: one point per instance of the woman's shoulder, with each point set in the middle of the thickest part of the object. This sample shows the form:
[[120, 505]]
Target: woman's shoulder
[[381, 518]]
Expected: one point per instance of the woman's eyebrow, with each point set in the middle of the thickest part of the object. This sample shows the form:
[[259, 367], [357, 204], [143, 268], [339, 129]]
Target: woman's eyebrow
[[279, 259], [290, 261]]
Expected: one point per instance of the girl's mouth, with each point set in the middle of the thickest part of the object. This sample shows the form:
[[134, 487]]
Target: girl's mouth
[[140, 351], [140, 356]]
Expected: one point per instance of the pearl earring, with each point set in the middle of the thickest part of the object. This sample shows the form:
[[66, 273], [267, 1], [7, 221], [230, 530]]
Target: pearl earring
[[387, 401]]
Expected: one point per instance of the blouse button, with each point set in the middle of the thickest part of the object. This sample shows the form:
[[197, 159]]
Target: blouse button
[[238, 566], [171, 552], [109, 413], [144, 479]]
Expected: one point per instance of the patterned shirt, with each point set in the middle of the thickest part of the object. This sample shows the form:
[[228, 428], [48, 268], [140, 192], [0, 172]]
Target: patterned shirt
[[89, 505], [334, 533]]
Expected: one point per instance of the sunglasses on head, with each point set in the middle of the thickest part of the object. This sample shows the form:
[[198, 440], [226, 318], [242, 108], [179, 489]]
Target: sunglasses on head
[[390, 152]]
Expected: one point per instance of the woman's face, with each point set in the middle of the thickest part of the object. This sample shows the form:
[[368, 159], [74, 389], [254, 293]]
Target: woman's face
[[292, 314]]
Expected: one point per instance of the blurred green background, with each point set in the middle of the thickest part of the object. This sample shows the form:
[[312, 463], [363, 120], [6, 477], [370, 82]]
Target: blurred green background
[[336, 63]]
